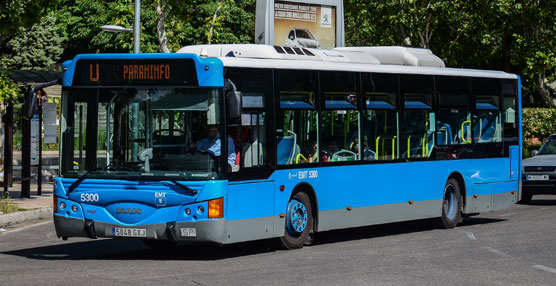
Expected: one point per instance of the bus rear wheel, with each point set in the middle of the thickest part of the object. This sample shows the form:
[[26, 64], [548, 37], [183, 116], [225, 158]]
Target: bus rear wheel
[[451, 204], [299, 221]]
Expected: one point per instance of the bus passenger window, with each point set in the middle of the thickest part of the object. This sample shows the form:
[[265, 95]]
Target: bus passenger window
[[416, 131], [487, 122], [509, 94], [380, 119], [340, 117], [297, 120], [453, 119]]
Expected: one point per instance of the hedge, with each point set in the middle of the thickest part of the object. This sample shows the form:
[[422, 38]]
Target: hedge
[[538, 123]]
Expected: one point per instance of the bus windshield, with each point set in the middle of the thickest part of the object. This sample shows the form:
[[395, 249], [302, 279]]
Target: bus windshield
[[140, 132]]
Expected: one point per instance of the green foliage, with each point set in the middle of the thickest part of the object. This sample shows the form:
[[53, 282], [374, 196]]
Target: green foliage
[[528, 147], [9, 90], [80, 22], [38, 47], [509, 35], [235, 22], [21, 13], [538, 123], [187, 23]]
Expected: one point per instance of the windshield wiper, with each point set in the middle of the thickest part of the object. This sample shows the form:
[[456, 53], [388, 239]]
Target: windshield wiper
[[192, 191], [79, 180]]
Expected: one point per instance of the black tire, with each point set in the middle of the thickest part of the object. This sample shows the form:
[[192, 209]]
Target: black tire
[[159, 244], [299, 222], [525, 197], [451, 204]]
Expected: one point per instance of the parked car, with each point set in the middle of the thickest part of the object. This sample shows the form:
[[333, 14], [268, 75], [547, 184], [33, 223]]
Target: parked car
[[539, 171], [301, 38]]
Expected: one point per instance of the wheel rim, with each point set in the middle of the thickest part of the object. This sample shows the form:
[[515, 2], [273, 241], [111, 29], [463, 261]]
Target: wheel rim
[[450, 202], [297, 217]]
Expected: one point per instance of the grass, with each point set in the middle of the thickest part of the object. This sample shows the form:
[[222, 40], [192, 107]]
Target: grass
[[8, 206]]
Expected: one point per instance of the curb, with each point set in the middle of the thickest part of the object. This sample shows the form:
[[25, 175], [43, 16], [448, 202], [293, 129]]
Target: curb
[[25, 216]]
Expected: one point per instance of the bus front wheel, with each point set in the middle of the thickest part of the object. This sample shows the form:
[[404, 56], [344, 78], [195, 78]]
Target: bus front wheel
[[299, 221], [451, 204]]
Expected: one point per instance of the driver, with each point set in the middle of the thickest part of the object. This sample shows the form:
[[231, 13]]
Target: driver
[[211, 144]]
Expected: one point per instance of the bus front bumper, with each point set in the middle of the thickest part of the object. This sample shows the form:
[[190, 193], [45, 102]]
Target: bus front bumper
[[213, 230]]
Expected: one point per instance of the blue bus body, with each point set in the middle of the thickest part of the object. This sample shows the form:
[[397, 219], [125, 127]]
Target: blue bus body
[[342, 195]]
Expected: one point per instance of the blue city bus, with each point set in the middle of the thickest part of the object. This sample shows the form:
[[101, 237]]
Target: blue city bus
[[304, 141]]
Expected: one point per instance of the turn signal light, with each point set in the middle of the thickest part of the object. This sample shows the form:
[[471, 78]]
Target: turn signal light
[[216, 208], [55, 204]]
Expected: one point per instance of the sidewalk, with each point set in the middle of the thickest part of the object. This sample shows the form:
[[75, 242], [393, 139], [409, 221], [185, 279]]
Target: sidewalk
[[36, 208]]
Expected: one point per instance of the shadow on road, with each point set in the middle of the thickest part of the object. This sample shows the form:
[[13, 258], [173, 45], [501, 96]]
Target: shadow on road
[[541, 202], [122, 249], [391, 229]]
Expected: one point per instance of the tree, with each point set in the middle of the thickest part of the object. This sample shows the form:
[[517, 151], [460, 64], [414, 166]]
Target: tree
[[200, 22], [15, 14], [536, 47], [80, 22], [21, 13], [38, 47], [510, 35]]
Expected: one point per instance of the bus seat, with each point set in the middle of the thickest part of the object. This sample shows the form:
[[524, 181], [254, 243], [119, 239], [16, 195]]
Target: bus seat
[[252, 154], [284, 149], [343, 155], [485, 130], [444, 134], [369, 155], [430, 143]]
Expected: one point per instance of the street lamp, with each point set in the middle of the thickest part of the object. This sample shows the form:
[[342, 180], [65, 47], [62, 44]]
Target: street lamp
[[115, 29], [136, 40], [136, 27]]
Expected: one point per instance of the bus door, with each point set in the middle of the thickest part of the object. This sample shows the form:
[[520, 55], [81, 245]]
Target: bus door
[[250, 174]]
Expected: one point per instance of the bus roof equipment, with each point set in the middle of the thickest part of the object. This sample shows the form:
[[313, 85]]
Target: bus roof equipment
[[363, 55]]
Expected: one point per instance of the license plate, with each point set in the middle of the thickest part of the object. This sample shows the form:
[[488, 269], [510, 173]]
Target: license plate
[[188, 232], [129, 232], [537, 177]]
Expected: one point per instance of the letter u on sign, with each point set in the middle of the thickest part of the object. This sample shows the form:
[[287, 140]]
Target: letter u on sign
[[95, 77]]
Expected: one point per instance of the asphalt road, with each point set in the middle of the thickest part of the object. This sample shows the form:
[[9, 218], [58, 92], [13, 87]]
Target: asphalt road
[[516, 246]]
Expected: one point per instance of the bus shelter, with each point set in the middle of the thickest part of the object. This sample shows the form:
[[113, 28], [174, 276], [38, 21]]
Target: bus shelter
[[33, 86]]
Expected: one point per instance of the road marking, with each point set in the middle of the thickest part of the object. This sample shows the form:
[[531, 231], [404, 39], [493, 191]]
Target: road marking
[[25, 227], [496, 251], [544, 268], [470, 235], [508, 214]]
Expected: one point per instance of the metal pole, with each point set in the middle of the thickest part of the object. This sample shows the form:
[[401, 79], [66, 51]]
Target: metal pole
[[39, 171], [8, 147], [137, 27], [26, 158], [135, 108]]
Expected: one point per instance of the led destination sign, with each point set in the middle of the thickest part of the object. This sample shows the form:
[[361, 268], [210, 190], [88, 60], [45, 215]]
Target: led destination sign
[[135, 72]]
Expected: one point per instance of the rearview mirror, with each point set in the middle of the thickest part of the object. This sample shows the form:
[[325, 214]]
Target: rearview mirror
[[30, 104], [534, 153], [233, 103], [31, 99]]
